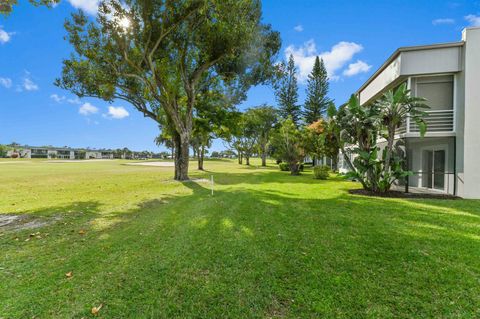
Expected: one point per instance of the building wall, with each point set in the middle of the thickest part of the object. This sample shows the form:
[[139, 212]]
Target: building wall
[[430, 61], [385, 78], [472, 113]]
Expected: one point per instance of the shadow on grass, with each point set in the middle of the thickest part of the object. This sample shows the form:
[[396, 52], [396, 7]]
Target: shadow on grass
[[252, 253]]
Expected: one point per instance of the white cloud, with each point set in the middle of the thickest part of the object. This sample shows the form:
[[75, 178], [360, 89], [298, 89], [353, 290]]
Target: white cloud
[[89, 6], [357, 68], [6, 82], [298, 28], [4, 36], [57, 98], [87, 109], [75, 100], [335, 59], [28, 84], [473, 20], [116, 112], [443, 21]]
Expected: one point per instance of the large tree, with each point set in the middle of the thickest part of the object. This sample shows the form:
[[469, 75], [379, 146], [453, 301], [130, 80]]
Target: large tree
[[264, 120], [317, 101], [288, 142], [286, 91], [6, 6], [157, 54]]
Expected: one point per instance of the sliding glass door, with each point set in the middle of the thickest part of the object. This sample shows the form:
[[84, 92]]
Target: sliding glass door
[[433, 169]]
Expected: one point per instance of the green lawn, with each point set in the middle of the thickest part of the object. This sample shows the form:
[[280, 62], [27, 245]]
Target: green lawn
[[266, 245]]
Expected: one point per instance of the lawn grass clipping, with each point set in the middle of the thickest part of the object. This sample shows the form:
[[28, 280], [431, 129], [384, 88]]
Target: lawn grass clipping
[[266, 245]]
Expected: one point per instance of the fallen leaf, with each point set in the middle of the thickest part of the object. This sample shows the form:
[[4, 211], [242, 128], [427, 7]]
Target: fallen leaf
[[82, 232], [69, 274], [96, 310]]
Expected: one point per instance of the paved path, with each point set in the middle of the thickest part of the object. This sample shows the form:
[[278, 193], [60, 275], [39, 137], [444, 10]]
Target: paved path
[[161, 164]]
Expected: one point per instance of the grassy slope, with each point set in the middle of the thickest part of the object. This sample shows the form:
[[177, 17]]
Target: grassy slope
[[265, 245]]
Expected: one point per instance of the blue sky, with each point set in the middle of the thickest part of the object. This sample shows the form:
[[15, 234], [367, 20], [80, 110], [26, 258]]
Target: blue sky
[[354, 38]]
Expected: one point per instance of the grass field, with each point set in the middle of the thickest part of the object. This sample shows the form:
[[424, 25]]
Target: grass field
[[266, 245]]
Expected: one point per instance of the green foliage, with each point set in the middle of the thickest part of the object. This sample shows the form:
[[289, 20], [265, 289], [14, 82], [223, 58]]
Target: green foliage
[[317, 101], [264, 119], [361, 125], [286, 91], [288, 143], [3, 150], [321, 172], [284, 167], [6, 6], [169, 52]]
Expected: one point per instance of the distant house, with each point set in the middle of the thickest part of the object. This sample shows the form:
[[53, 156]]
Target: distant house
[[446, 160], [51, 152]]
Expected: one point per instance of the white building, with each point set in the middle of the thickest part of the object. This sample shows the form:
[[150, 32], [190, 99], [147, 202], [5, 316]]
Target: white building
[[447, 159]]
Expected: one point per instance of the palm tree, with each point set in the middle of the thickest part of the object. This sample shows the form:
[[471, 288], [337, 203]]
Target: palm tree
[[395, 107]]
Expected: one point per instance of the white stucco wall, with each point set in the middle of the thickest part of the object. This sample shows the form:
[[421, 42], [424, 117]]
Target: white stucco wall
[[386, 77], [431, 61], [472, 113]]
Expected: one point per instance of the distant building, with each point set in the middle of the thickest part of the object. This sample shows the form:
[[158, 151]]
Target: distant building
[[67, 153]]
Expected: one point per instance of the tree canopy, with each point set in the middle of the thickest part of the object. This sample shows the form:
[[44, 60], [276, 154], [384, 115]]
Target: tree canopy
[[286, 91], [158, 54], [317, 101]]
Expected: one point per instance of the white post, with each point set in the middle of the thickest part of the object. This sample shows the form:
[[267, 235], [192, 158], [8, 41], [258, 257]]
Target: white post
[[211, 179]]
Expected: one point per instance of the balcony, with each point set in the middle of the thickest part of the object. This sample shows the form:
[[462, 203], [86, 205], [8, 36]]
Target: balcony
[[441, 121]]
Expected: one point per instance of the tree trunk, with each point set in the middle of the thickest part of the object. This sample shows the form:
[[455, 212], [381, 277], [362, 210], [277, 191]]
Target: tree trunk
[[200, 153], [182, 147], [388, 156], [294, 169], [247, 159], [240, 157], [264, 156]]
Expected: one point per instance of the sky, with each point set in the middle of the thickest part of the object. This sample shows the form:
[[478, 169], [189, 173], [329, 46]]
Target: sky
[[353, 37]]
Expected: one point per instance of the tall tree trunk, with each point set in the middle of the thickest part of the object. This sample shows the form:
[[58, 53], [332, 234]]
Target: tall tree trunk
[[200, 153], [182, 147], [388, 156], [247, 159], [240, 157], [264, 155]]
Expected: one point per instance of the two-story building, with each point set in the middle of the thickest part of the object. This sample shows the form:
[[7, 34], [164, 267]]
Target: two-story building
[[447, 158]]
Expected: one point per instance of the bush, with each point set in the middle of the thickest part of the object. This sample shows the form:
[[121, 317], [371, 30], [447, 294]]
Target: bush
[[279, 161], [321, 172], [286, 167]]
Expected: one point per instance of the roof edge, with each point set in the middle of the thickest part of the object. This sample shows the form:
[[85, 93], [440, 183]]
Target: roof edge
[[397, 52]]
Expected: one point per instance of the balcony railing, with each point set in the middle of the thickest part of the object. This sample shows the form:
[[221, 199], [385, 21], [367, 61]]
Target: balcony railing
[[437, 121]]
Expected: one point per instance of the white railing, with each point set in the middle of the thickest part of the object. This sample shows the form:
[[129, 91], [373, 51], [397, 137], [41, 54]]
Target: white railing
[[437, 121]]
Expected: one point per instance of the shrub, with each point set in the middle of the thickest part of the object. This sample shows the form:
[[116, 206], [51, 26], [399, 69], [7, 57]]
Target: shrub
[[321, 172], [286, 167]]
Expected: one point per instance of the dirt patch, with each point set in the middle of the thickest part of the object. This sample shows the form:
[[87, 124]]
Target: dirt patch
[[21, 222], [159, 164], [397, 194]]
